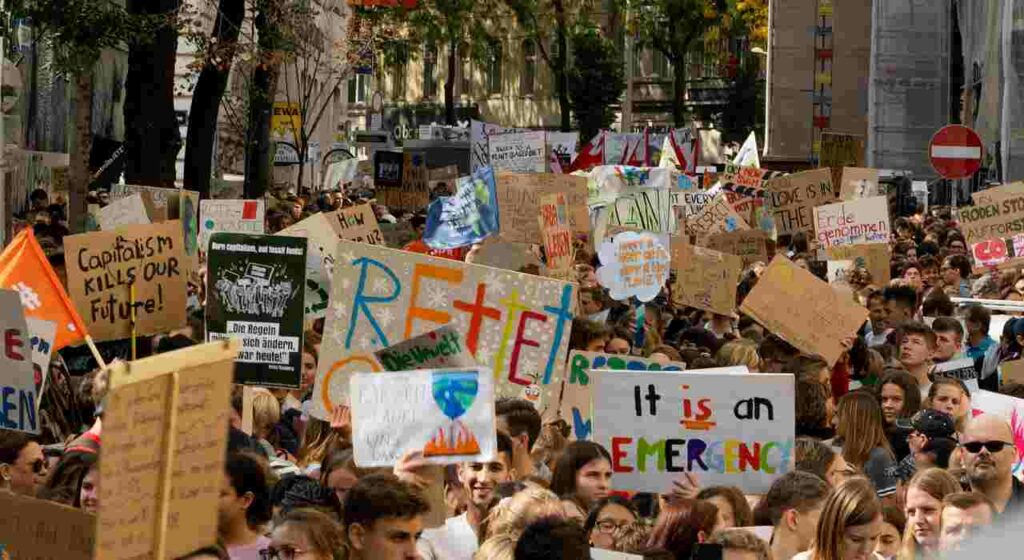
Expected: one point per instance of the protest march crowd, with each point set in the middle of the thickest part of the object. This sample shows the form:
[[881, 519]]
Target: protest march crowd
[[623, 362]]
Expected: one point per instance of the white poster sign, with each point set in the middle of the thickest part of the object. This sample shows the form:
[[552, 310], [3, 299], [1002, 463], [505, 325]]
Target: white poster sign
[[17, 381], [229, 216], [127, 211], [855, 222], [521, 152]]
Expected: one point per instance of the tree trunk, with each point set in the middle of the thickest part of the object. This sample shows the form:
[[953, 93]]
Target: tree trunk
[[679, 91], [449, 84], [152, 137], [561, 63], [78, 172], [262, 90], [207, 97]]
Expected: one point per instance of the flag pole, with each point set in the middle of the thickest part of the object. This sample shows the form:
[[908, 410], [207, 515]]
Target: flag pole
[[95, 352], [131, 291]]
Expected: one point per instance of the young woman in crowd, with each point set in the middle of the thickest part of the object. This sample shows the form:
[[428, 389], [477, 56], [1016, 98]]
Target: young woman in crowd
[[605, 518], [891, 539], [861, 436], [338, 472], [244, 507], [849, 526], [582, 475], [950, 396], [814, 410], [924, 509], [900, 397], [733, 509], [682, 524], [305, 535], [740, 352], [74, 480]]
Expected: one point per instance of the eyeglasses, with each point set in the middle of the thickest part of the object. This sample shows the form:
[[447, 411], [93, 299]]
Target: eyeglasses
[[38, 466], [608, 526], [992, 446], [283, 553]]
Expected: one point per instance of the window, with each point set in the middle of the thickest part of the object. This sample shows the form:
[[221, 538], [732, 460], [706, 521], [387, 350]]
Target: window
[[494, 69], [529, 67], [429, 71], [358, 88], [398, 73]]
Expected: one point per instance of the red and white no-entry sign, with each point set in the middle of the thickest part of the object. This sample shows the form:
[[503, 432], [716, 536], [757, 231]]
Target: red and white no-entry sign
[[955, 152]]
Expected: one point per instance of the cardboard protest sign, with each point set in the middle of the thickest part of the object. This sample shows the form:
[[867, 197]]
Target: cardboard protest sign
[[468, 217], [634, 264], [127, 211], [521, 152], [562, 146], [44, 334], [576, 404], [321, 249], [516, 325], [17, 378], [255, 292], [479, 132], [387, 169], [165, 428], [705, 279], [1012, 371], [791, 199], [446, 413], [1008, 408], [858, 182], [414, 191], [962, 369], [440, 348], [994, 227], [717, 216], [355, 223], [796, 305], [840, 149], [519, 199], [44, 530], [736, 429], [229, 216], [102, 266], [688, 197], [639, 197], [750, 245], [874, 258], [554, 226], [155, 199], [858, 222], [498, 253]]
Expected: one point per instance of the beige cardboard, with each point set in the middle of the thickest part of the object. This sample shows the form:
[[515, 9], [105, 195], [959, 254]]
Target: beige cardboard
[[804, 310], [43, 530], [705, 279], [554, 225], [792, 198], [356, 223], [717, 216], [519, 201], [992, 223], [102, 265], [751, 245], [874, 257], [858, 182]]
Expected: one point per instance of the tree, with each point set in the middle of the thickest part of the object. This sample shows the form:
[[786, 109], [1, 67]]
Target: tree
[[152, 137], [215, 57], [76, 32], [262, 90], [672, 27], [535, 17], [595, 82]]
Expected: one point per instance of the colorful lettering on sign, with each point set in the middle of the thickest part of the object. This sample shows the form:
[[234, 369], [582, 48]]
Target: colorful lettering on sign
[[723, 456]]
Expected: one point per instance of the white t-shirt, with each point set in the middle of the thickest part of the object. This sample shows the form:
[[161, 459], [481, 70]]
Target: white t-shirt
[[455, 541]]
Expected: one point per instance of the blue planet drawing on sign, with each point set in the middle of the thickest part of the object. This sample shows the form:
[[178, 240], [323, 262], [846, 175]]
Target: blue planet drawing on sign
[[454, 394]]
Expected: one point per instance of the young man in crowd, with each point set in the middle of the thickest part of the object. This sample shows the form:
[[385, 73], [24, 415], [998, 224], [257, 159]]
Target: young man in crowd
[[917, 345], [988, 457], [878, 328], [522, 422], [460, 536], [900, 307], [956, 269], [978, 320], [963, 515], [383, 519], [793, 505], [949, 338]]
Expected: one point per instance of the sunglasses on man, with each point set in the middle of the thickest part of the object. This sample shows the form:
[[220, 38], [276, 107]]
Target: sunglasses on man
[[996, 446]]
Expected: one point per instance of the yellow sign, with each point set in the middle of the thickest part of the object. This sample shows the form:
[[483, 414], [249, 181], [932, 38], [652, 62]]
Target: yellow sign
[[287, 118]]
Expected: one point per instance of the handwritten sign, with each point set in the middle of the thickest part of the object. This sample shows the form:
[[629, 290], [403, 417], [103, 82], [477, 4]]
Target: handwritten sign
[[255, 290], [993, 227], [840, 149], [554, 225], [717, 216], [127, 211], [962, 369], [142, 411], [321, 252], [639, 197], [804, 310], [468, 217], [858, 182], [44, 530], [156, 199], [516, 325], [634, 264], [519, 199], [729, 429], [44, 336], [705, 279], [448, 414], [229, 216], [356, 223], [440, 348], [479, 132], [749, 245], [857, 222], [874, 258], [414, 192], [521, 152], [17, 379], [791, 199], [576, 404], [102, 266]]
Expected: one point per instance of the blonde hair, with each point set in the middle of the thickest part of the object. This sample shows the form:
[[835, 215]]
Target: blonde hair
[[740, 352], [266, 412], [512, 515], [742, 539], [853, 503], [860, 427], [938, 484], [499, 547]]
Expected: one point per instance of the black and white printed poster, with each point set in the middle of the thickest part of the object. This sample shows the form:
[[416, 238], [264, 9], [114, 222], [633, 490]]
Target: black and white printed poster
[[254, 291]]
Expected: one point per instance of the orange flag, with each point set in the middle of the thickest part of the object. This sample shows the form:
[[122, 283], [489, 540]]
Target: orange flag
[[25, 269]]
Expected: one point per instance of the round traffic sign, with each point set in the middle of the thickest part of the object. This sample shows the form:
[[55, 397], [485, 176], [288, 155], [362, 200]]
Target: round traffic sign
[[955, 152]]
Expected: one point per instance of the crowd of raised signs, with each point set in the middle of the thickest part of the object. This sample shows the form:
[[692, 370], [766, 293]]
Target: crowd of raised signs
[[326, 377]]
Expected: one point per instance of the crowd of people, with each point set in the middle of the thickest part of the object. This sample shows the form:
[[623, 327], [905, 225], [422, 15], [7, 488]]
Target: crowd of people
[[890, 462]]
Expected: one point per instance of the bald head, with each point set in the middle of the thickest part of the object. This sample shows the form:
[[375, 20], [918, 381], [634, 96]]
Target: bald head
[[989, 454]]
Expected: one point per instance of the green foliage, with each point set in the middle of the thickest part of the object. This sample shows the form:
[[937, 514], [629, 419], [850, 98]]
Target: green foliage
[[596, 80], [672, 26], [400, 31], [77, 31]]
